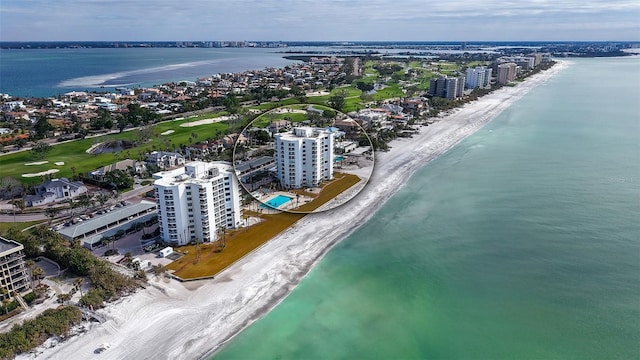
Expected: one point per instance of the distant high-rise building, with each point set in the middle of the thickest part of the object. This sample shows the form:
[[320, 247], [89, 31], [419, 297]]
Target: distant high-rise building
[[478, 77], [447, 87], [537, 58], [460, 86], [488, 72], [437, 86], [506, 73], [451, 88], [197, 201], [304, 157]]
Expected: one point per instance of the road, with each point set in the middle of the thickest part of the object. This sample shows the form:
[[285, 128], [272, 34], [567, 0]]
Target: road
[[42, 217]]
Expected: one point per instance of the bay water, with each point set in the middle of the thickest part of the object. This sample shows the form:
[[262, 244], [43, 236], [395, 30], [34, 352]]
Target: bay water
[[49, 72], [522, 242]]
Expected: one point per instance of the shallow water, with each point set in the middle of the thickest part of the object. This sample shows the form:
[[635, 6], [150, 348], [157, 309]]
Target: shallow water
[[521, 242]]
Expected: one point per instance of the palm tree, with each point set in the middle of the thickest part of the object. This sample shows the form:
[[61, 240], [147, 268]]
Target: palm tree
[[77, 285], [30, 264], [102, 198], [158, 269], [63, 298], [17, 203], [38, 273], [115, 195], [197, 250], [51, 213], [6, 299]]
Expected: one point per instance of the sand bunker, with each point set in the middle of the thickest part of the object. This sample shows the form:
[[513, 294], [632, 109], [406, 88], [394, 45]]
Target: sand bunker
[[50, 171], [207, 121], [36, 163], [317, 93], [167, 132], [286, 110], [59, 163]]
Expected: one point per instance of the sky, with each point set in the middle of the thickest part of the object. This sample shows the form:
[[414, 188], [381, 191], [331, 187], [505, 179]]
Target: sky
[[319, 20]]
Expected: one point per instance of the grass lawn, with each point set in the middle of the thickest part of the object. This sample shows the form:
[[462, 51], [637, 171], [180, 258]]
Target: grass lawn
[[264, 120], [390, 91], [350, 90], [242, 241], [352, 104], [4, 226], [73, 154], [477, 63]]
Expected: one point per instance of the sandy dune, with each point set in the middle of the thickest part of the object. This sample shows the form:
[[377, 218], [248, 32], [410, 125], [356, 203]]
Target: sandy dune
[[169, 320]]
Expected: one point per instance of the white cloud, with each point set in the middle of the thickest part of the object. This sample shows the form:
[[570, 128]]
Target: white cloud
[[305, 19]]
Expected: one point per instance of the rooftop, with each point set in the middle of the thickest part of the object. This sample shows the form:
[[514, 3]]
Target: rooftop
[[7, 245], [118, 214], [193, 172], [254, 163]]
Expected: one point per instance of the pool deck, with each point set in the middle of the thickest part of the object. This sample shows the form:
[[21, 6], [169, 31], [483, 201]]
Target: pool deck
[[289, 205]]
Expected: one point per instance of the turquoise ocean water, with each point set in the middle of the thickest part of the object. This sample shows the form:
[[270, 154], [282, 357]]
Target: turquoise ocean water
[[522, 242]]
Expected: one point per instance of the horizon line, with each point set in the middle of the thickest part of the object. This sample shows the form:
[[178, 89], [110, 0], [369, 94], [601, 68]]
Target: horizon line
[[322, 41]]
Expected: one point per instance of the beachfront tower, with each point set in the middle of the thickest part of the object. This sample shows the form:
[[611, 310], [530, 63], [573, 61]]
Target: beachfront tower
[[478, 77], [506, 73], [197, 201], [13, 274], [304, 157]]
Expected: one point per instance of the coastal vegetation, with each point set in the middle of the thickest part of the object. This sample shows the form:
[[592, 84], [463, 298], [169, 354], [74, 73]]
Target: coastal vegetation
[[32, 333], [106, 283]]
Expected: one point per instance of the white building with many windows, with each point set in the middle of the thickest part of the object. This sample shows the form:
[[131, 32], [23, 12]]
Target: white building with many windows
[[478, 77], [304, 157], [197, 201]]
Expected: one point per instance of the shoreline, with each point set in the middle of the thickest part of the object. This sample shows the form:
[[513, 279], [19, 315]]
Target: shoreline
[[203, 316]]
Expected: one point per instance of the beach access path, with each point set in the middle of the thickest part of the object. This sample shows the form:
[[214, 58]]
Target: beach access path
[[171, 320]]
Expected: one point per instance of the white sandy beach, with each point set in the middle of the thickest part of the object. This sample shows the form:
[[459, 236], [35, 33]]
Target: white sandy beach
[[187, 321]]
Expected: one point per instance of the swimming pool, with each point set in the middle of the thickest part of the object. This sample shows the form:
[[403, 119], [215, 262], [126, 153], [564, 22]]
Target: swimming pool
[[276, 202], [339, 158]]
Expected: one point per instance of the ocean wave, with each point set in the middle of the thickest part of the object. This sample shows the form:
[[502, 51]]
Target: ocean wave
[[101, 80]]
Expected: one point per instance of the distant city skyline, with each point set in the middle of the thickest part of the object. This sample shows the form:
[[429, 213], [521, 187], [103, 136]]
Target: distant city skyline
[[327, 20]]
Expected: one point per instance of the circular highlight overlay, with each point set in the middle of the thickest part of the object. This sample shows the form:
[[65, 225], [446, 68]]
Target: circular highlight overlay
[[302, 159]]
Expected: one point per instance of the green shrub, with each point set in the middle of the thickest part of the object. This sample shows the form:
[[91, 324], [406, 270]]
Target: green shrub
[[94, 298], [111, 252], [29, 297], [9, 308]]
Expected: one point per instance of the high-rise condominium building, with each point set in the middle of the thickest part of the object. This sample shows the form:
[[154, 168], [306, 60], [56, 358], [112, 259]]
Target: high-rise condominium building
[[478, 77], [13, 274], [197, 201], [304, 157], [506, 73], [447, 87]]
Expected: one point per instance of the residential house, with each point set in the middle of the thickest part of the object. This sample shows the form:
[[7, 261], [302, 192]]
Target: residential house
[[55, 190], [138, 167], [203, 149], [230, 140], [165, 159]]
